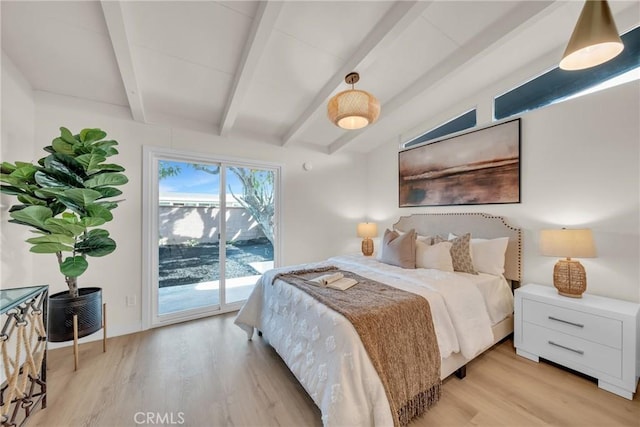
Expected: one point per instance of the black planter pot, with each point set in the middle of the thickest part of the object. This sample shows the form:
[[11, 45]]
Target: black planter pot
[[62, 307]]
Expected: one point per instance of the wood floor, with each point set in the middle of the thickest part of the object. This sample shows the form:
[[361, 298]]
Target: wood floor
[[206, 373]]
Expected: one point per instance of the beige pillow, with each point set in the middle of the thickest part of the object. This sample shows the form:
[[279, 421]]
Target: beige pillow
[[460, 253], [436, 256], [399, 250]]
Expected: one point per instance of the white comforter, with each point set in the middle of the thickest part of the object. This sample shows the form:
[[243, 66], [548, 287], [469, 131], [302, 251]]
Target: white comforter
[[324, 351]]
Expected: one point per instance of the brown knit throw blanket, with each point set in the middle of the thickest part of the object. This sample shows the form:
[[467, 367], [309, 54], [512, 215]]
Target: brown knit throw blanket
[[397, 332]]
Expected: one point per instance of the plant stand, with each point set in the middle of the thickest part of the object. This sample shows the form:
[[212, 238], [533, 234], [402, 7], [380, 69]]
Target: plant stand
[[75, 336]]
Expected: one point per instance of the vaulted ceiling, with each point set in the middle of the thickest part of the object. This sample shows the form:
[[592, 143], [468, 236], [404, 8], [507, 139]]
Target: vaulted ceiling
[[268, 68]]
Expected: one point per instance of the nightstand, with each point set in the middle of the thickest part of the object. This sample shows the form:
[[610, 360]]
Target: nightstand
[[594, 335]]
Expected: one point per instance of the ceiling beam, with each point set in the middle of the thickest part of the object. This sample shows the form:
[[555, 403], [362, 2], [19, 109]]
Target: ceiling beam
[[114, 15], [397, 20], [475, 48], [263, 24]]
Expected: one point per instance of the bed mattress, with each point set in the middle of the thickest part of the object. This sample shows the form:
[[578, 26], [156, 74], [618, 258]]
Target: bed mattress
[[324, 352]]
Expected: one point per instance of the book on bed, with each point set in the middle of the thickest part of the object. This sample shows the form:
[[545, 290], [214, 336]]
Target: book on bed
[[334, 281]]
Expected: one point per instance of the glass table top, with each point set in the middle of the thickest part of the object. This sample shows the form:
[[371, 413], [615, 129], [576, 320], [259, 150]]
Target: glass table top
[[10, 298]]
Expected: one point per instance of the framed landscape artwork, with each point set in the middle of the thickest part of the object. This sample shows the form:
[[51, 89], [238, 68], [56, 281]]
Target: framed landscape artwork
[[478, 167]]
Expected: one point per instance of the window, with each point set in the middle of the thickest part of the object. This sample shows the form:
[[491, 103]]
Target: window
[[462, 122], [559, 85]]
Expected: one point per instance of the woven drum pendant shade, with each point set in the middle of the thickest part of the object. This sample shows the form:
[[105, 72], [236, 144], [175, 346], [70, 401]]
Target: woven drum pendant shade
[[353, 109]]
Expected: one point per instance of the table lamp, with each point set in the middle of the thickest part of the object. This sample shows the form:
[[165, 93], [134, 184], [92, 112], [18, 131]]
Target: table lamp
[[367, 230], [569, 276]]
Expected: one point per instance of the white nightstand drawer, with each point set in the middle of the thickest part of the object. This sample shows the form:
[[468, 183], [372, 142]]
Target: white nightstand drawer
[[576, 353], [588, 326]]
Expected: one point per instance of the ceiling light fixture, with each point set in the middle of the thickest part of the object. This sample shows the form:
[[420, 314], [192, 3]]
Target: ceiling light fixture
[[353, 109], [595, 38]]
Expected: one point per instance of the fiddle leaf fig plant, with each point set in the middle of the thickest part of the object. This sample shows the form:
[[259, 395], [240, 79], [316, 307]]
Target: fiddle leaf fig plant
[[63, 198]]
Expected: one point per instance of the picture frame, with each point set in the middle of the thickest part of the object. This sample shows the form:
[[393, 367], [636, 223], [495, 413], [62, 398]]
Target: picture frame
[[473, 168]]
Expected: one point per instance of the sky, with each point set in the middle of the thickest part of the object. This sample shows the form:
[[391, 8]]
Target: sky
[[190, 180]]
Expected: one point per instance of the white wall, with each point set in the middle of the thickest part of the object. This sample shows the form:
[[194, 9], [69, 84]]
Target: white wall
[[320, 207], [580, 163], [17, 139]]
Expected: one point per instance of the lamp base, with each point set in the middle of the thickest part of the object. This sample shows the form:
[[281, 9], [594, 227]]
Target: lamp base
[[569, 278], [367, 246]]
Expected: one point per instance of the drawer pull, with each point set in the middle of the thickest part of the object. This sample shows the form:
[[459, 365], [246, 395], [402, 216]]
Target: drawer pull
[[566, 321], [566, 348]]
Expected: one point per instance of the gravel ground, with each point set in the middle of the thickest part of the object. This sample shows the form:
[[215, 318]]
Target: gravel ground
[[183, 264]]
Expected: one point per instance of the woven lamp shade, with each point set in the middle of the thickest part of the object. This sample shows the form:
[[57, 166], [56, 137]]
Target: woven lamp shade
[[595, 39], [569, 276], [353, 109]]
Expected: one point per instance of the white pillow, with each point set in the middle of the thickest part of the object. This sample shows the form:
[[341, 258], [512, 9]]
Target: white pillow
[[425, 239], [436, 256], [488, 255]]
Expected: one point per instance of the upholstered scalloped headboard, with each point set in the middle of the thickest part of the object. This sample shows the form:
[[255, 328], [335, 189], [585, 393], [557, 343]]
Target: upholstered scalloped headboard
[[480, 225]]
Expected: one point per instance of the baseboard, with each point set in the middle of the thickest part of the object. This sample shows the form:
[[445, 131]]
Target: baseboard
[[97, 336]]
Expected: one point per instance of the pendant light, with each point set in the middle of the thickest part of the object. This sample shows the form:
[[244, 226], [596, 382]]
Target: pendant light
[[595, 39], [353, 109]]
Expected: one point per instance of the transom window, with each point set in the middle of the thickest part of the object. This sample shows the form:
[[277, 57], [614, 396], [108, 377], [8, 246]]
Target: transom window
[[464, 121]]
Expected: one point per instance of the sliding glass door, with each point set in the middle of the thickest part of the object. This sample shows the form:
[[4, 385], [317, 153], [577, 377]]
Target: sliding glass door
[[212, 231], [248, 229]]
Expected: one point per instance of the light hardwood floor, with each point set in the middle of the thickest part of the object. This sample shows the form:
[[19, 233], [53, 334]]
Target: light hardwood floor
[[206, 373]]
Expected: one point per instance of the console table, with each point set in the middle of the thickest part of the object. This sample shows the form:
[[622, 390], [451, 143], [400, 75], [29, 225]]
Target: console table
[[23, 344]]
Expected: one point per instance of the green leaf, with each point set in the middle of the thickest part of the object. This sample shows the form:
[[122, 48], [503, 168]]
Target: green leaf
[[80, 196], [11, 190], [50, 248], [30, 200], [91, 135], [74, 266], [96, 246], [25, 173], [60, 226], [51, 178], [105, 144], [106, 180], [15, 221], [7, 168], [91, 161], [110, 151], [90, 221], [67, 136], [108, 205], [106, 167], [33, 215], [57, 207], [66, 164], [108, 192], [98, 211], [13, 181], [80, 149], [61, 146], [53, 238], [70, 217], [98, 232], [49, 193]]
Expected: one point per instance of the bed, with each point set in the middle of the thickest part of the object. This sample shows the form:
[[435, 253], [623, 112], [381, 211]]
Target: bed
[[323, 350]]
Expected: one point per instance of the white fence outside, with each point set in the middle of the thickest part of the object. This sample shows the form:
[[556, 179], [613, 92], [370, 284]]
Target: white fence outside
[[195, 224]]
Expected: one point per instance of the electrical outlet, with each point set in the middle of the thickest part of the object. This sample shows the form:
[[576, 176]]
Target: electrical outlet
[[131, 300]]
